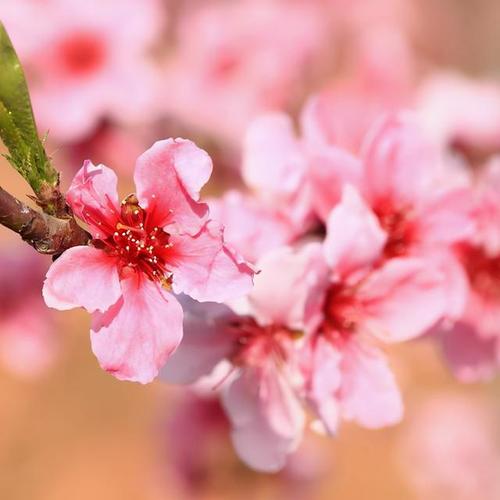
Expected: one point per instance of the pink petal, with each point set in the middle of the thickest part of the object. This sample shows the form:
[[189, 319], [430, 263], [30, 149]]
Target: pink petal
[[354, 237], [471, 357], [399, 164], [325, 383], [402, 299], [272, 161], [250, 227], [447, 218], [266, 418], [93, 197], [207, 340], [134, 338], [287, 281], [369, 394], [168, 177], [330, 169], [82, 277], [205, 269]]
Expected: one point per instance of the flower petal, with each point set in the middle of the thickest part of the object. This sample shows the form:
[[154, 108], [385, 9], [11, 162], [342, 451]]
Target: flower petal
[[471, 357], [134, 338], [399, 163], [330, 169], [324, 383], [369, 394], [272, 161], [205, 269], [168, 177], [207, 340], [402, 299], [93, 197], [285, 284], [82, 277], [354, 237], [266, 418]]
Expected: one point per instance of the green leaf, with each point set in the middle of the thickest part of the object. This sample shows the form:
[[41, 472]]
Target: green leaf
[[17, 124]]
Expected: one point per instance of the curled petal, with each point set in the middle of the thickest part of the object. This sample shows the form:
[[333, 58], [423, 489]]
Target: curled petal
[[135, 337], [168, 177], [205, 269], [93, 197], [82, 277]]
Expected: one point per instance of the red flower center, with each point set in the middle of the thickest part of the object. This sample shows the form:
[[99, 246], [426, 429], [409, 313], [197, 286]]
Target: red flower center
[[81, 54], [398, 226], [483, 271], [340, 312], [138, 245], [254, 342]]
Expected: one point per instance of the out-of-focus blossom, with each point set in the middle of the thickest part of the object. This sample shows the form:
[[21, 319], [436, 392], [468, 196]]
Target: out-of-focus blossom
[[235, 60], [451, 449], [422, 214], [255, 353], [462, 115], [472, 346], [155, 241], [277, 208], [86, 60], [198, 450], [27, 342], [365, 298]]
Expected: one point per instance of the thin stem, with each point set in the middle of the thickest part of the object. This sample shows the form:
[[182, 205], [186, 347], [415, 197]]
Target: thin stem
[[45, 233]]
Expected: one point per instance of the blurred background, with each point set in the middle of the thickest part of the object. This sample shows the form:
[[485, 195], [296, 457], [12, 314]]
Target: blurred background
[[110, 77]]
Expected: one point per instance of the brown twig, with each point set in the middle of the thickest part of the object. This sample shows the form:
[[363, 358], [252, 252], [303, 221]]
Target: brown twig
[[45, 233]]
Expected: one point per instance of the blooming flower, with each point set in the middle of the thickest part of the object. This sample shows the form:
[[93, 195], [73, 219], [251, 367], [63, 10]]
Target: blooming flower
[[254, 356], [365, 299], [471, 346], [157, 239]]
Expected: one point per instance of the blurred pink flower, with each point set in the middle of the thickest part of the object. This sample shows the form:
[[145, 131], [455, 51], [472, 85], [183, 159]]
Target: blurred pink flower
[[451, 449], [365, 299], [141, 248], [254, 357], [28, 345], [472, 346], [421, 211], [277, 208], [86, 60], [235, 60], [462, 115]]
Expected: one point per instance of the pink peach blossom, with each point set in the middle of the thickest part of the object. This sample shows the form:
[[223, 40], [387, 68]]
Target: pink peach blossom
[[155, 241], [472, 346], [276, 207], [235, 60], [460, 114], [366, 300], [254, 354], [86, 60]]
